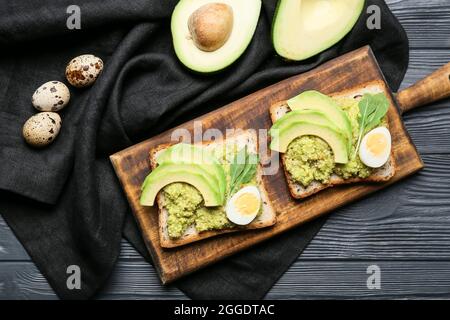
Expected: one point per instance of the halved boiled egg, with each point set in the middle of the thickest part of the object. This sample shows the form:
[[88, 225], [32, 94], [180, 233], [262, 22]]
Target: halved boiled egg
[[375, 147], [244, 205]]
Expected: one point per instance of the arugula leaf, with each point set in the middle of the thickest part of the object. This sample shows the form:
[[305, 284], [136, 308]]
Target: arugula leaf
[[249, 171], [372, 109], [242, 169], [238, 164], [382, 106]]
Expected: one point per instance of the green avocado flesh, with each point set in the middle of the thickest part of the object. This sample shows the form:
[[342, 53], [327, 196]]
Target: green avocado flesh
[[310, 158], [245, 19], [193, 174], [185, 208], [185, 202], [311, 116], [188, 153], [304, 28], [334, 139], [314, 100]]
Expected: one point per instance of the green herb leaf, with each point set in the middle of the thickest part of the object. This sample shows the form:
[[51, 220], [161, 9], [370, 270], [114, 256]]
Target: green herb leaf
[[238, 164], [372, 109], [242, 169]]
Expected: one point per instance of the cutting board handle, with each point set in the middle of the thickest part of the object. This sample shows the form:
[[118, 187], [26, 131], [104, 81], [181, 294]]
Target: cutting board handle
[[432, 88]]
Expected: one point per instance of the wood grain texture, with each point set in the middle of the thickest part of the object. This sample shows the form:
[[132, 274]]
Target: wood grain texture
[[349, 234], [411, 232], [434, 87], [425, 21], [305, 280], [351, 70]]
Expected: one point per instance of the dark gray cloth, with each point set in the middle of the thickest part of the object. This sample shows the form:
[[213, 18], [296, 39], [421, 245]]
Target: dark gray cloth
[[64, 202]]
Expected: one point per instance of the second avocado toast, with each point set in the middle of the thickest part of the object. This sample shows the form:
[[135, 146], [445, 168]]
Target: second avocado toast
[[298, 164]]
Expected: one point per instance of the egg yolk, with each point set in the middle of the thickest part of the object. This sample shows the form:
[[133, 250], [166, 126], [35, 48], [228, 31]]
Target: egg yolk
[[247, 203], [376, 143]]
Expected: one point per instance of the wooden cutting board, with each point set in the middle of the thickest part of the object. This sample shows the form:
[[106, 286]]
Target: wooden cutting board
[[347, 71]]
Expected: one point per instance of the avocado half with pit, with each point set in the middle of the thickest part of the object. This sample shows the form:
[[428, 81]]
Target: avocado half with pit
[[304, 28], [208, 36]]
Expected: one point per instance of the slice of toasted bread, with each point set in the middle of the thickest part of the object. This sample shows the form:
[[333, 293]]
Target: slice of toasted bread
[[267, 218], [384, 173]]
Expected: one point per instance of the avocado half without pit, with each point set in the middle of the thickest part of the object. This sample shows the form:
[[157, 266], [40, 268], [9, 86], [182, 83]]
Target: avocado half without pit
[[208, 36], [304, 28]]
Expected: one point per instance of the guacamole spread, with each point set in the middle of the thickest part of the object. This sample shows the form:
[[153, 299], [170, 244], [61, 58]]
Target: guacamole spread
[[309, 158], [185, 205]]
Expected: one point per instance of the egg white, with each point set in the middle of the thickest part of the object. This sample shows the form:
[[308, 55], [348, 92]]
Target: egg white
[[232, 211], [369, 158]]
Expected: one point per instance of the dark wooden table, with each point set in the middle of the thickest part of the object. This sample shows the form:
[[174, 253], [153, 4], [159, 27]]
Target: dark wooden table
[[404, 230]]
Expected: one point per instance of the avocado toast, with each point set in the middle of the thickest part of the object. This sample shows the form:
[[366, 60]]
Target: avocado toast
[[207, 222], [338, 176]]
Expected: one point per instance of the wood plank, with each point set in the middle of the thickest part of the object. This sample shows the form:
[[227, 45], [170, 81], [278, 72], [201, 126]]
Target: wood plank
[[351, 70], [10, 247], [22, 280], [336, 280], [422, 62], [428, 126], [426, 22], [429, 129], [305, 280]]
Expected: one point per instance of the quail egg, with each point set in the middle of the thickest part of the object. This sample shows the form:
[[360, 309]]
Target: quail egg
[[244, 205], [51, 96], [42, 129], [82, 71], [375, 148]]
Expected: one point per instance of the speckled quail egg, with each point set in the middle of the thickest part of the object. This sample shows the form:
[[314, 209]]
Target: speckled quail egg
[[375, 148], [244, 205], [51, 96], [42, 129], [82, 71]]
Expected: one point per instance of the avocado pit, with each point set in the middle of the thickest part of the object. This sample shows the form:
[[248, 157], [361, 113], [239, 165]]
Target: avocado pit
[[210, 26]]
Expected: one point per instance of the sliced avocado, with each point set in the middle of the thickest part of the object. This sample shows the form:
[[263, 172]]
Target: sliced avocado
[[311, 116], [335, 140], [188, 153], [314, 100], [204, 37], [303, 28], [192, 174]]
